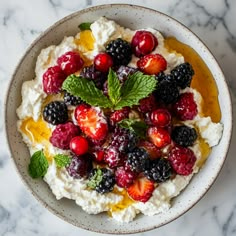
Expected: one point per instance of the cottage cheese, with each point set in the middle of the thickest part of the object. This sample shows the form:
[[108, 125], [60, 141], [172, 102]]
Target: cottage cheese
[[63, 185]]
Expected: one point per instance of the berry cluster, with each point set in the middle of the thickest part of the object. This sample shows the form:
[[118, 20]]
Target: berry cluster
[[94, 135]]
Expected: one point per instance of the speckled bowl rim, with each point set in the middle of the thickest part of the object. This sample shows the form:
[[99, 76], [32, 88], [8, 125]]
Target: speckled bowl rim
[[42, 35]]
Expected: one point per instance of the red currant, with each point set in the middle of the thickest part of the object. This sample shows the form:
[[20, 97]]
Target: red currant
[[160, 117], [79, 145], [143, 43], [103, 62]]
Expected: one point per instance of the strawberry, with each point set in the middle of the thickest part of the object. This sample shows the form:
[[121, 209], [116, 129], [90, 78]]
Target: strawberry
[[141, 190], [152, 64], [159, 136], [151, 149], [92, 121]]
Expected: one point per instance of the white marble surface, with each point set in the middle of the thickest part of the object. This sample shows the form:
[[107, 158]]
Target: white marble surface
[[22, 21]]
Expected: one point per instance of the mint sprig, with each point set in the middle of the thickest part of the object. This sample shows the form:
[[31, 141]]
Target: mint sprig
[[62, 160], [114, 87], [96, 179], [136, 126], [86, 90], [136, 87], [85, 26], [38, 165]]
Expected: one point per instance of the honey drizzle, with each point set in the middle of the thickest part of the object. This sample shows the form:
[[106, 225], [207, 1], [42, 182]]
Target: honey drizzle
[[123, 204], [203, 80]]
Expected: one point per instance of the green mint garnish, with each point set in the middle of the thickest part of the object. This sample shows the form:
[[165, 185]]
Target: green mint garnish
[[136, 87], [96, 179], [136, 126], [86, 90], [38, 165], [62, 160], [114, 87], [85, 26]]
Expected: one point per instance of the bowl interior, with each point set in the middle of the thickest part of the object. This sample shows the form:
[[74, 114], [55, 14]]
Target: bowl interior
[[133, 17]]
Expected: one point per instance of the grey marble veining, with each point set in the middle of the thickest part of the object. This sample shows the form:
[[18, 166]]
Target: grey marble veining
[[22, 21]]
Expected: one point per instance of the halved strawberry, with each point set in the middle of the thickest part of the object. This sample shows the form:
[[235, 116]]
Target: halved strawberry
[[91, 121], [152, 150], [152, 64], [141, 190], [159, 136]]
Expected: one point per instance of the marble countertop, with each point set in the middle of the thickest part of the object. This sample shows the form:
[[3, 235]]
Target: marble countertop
[[22, 21]]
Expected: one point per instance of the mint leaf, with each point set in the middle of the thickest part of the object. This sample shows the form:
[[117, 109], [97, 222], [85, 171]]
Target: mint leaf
[[62, 160], [136, 126], [86, 90], [136, 87], [114, 87], [96, 179], [38, 165], [85, 26]]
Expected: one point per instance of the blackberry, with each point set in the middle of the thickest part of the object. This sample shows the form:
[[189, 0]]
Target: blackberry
[[123, 72], [80, 166], [55, 113], [159, 170], [184, 135], [102, 180], [123, 139], [183, 74], [138, 160], [120, 51], [167, 92], [98, 77], [162, 76], [69, 99]]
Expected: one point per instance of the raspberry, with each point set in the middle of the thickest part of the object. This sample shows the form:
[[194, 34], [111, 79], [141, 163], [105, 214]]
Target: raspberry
[[160, 117], [119, 115], [184, 135], [159, 170], [183, 74], [62, 135], [120, 51], [182, 160], [167, 92], [143, 43], [123, 177], [185, 108], [103, 62], [98, 77], [80, 166], [55, 113], [71, 100], [123, 140], [70, 62], [138, 160], [147, 104], [102, 180], [113, 157], [53, 79], [124, 72]]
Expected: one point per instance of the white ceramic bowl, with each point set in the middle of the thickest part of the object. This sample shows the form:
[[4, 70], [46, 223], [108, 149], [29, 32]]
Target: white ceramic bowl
[[134, 17]]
